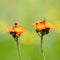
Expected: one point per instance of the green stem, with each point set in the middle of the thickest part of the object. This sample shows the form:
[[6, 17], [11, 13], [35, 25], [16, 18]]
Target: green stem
[[18, 48], [42, 47]]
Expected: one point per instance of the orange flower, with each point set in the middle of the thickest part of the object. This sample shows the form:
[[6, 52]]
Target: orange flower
[[42, 25], [15, 30]]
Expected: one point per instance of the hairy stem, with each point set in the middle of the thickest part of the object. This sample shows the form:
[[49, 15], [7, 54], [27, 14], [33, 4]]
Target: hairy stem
[[18, 48], [42, 47]]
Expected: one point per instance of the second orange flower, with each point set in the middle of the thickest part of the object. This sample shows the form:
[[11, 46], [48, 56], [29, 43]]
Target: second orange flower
[[15, 30]]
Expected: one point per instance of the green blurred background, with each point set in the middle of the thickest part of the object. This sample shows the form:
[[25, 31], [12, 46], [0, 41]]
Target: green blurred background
[[26, 12]]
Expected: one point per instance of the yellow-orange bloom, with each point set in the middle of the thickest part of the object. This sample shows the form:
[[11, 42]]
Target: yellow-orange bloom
[[16, 29], [40, 25]]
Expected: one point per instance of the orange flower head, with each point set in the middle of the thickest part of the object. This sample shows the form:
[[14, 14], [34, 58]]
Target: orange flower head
[[15, 30], [42, 26]]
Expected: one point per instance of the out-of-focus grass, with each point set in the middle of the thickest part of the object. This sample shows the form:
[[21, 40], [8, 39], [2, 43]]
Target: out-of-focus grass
[[30, 50]]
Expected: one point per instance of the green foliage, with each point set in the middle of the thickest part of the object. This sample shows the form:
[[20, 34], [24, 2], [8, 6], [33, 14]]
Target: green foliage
[[26, 12]]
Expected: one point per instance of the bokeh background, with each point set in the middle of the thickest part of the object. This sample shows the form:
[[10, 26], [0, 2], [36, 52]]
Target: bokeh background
[[26, 12]]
